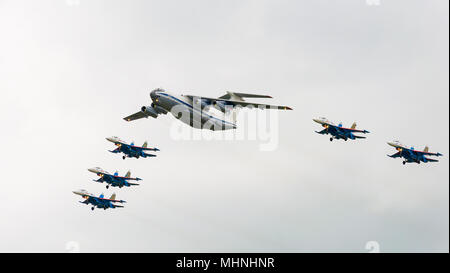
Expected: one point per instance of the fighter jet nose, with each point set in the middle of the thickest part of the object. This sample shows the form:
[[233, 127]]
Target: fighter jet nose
[[316, 120]]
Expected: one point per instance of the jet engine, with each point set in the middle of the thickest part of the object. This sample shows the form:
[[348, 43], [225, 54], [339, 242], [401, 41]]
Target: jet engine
[[222, 106], [203, 104], [159, 109], [149, 111]]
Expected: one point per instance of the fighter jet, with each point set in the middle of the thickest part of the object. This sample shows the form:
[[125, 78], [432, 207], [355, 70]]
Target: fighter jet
[[100, 202], [338, 132], [114, 179], [194, 110], [411, 155], [130, 150]]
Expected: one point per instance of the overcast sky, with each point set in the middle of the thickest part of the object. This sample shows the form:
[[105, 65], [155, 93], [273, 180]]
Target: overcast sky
[[71, 70]]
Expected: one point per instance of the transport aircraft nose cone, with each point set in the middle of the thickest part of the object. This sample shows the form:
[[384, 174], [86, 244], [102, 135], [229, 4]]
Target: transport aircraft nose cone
[[153, 95]]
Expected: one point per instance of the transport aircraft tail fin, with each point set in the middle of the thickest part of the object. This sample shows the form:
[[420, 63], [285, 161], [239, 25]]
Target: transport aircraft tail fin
[[240, 96]]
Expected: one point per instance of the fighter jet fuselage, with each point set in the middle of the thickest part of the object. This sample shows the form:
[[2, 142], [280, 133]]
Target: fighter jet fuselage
[[100, 201], [338, 131], [130, 150], [411, 155]]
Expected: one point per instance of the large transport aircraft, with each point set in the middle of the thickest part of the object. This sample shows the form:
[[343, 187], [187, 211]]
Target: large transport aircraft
[[194, 110]]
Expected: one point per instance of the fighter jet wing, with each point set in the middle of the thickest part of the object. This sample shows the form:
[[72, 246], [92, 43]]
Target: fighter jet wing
[[138, 148], [128, 178], [357, 131], [135, 116], [143, 148], [395, 155], [427, 153], [324, 131], [431, 160], [118, 206], [133, 184], [240, 103], [111, 200], [349, 129]]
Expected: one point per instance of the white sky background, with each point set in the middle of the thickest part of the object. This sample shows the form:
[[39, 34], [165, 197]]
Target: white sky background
[[70, 73]]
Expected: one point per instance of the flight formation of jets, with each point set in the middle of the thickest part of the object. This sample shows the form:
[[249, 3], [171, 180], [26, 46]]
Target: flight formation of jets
[[194, 111], [115, 180], [410, 155]]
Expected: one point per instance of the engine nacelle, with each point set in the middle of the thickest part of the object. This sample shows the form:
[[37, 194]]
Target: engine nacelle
[[159, 109], [149, 111], [203, 104], [222, 106]]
